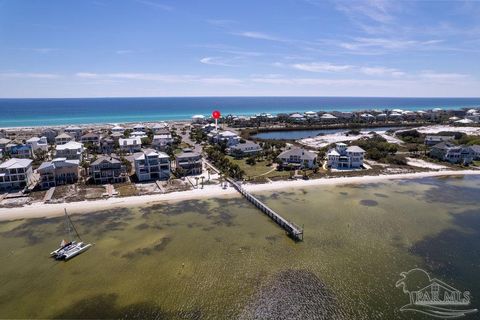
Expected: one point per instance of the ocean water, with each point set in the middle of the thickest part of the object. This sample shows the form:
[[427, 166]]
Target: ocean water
[[38, 112], [223, 259]]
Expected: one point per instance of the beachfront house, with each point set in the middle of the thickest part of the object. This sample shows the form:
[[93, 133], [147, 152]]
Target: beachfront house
[[15, 174], [71, 150], [139, 128], [37, 143], [75, 132], [4, 142], [107, 145], [107, 169], [50, 134], [160, 127], [298, 158], [130, 145], [19, 150], [57, 172], [90, 137], [245, 149], [118, 129], [431, 140], [452, 153], [63, 138], [344, 157], [190, 162], [151, 165], [476, 152], [327, 117], [227, 137], [161, 141]]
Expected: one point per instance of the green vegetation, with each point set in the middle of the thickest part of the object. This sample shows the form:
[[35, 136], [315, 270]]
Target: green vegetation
[[377, 147], [227, 167], [469, 140], [411, 136], [198, 135]]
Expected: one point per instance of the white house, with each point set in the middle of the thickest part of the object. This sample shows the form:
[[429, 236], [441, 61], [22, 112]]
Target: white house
[[228, 137], [159, 127], [152, 165], [63, 138], [140, 127], [15, 174], [130, 145], [36, 143], [57, 172], [138, 134], [298, 158], [244, 149], [75, 132], [343, 157], [71, 150], [160, 141], [118, 129]]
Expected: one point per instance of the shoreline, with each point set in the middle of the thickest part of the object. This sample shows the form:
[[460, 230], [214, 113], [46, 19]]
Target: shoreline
[[42, 210]]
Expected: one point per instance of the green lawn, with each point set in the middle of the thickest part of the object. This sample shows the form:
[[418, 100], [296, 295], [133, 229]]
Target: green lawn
[[260, 168], [476, 163]]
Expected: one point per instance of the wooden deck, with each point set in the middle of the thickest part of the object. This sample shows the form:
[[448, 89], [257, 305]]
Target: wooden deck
[[292, 229], [48, 195]]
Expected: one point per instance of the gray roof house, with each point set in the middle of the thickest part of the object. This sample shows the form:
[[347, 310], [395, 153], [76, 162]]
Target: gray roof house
[[190, 162], [247, 148], [452, 153], [107, 169], [57, 172], [15, 174], [298, 158], [344, 157]]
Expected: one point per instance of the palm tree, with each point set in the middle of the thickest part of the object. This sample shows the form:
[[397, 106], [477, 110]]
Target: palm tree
[[203, 178], [196, 181]]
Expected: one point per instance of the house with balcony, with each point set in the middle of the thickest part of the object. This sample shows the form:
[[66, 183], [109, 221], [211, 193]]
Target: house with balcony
[[57, 172], [140, 128], [190, 162], [19, 150], [107, 169], [118, 129], [37, 143], [50, 134], [130, 145], [15, 174], [245, 149], [71, 150], [74, 131], [90, 137], [63, 138], [447, 151], [431, 140], [151, 165], [345, 157], [298, 158], [227, 137], [161, 141], [159, 128]]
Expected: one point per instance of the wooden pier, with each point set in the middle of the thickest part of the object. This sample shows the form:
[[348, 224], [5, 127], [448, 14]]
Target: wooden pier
[[292, 229]]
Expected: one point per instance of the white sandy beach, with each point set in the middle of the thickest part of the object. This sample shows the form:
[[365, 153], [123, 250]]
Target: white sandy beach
[[38, 210]]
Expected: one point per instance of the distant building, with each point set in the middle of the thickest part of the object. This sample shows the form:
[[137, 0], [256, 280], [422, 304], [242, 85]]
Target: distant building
[[344, 157], [37, 143], [138, 134], [4, 142], [190, 161], [107, 170], [245, 149], [50, 134], [107, 145], [90, 137], [298, 157], [160, 128], [161, 141], [139, 128], [327, 117], [431, 140], [57, 172], [227, 137], [71, 150], [447, 151], [19, 150], [130, 145], [152, 165], [118, 129], [75, 132], [15, 174], [63, 138], [476, 152]]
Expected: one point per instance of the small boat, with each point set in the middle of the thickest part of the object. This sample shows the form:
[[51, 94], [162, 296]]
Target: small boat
[[71, 248]]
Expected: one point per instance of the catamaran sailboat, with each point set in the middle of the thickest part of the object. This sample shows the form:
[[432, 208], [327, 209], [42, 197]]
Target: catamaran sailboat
[[71, 248]]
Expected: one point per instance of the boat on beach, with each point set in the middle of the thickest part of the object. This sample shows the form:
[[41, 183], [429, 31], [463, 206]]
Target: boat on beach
[[71, 248]]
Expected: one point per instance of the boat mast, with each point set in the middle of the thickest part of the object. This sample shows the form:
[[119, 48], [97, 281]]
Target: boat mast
[[71, 224], [67, 226]]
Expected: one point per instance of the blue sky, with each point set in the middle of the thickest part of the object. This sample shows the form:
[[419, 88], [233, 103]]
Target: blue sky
[[115, 48]]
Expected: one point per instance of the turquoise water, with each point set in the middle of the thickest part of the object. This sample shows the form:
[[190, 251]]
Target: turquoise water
[[38, 112]]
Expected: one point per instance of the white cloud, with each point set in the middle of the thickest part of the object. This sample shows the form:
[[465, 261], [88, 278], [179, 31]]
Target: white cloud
[[387, 44], [259, 35], [156, 5], [443, 77], [381, 71], [321, 67], [29, 75], [217, 61]]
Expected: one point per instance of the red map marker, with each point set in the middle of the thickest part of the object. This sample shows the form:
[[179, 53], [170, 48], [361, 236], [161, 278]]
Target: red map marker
[[216, 114]]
